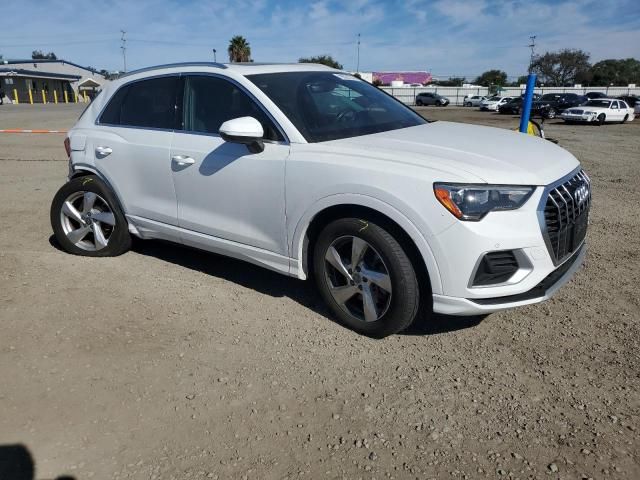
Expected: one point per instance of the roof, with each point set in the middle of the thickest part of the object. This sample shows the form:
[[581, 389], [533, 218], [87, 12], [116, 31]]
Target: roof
[[89, 82], [47, 60], [248, 68], [20, 72]]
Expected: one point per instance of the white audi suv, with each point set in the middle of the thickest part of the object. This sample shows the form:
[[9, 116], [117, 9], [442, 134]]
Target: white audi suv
[[312, 172]]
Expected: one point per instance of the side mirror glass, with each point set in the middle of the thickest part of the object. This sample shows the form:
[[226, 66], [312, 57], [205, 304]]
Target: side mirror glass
[[245, 130]]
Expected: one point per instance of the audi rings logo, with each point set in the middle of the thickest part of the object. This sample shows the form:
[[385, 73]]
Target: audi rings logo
[[581, 194]]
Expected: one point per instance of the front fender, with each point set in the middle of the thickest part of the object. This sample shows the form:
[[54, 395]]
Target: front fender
[[297, 240]]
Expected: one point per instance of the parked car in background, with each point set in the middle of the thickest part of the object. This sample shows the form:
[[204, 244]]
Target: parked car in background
[[632, 101], [456, 218], [472, 100], [592, 95], [513, 106], [493, 103], [552, 104], [600, 111], [430, 98]]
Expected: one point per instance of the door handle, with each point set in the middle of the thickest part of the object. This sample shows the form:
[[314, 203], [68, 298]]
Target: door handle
[[103, 151], [182, 160]]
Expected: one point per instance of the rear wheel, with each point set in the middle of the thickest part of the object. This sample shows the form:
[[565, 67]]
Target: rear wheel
[[551, 113], [366, 277], [87, 220], [626, 117], [419, 103]]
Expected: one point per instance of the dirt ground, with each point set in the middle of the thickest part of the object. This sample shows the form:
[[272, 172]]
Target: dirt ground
[[168, 363]]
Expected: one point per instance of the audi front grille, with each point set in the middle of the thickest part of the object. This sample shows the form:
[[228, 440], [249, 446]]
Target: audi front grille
[[566, 213]]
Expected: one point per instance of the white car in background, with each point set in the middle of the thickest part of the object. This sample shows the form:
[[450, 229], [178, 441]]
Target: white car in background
[[473, 100], [493, 103], [600, 110]]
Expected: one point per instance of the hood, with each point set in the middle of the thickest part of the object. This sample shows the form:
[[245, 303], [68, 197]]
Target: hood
[[476, 153]]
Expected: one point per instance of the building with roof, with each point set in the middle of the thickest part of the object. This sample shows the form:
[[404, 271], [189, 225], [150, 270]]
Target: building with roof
[[51, 75], [36, 87]]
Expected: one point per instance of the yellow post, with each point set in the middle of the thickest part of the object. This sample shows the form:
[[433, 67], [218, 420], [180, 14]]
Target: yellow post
[[55, 96], [66, 97], [15, 94], [84, 94], [44, 97], [30, 96], [75, 96]]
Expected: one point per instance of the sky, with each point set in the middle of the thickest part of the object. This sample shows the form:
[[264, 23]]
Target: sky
[[444, 37]]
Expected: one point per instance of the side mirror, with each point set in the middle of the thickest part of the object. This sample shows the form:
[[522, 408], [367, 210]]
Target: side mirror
[[244, 130]]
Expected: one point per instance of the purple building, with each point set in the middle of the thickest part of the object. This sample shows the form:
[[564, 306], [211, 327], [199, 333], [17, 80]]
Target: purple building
[[407, 77]]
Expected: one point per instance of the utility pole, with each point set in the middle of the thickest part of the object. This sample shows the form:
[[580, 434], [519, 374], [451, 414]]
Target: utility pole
[[358, 63], [123, 47], [214, 56], [532, 46]]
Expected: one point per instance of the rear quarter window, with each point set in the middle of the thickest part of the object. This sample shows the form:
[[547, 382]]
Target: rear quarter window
[[145, 103]]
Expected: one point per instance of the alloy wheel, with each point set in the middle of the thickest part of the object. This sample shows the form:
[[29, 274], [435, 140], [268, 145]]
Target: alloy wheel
[[358, 278], [87, 220]]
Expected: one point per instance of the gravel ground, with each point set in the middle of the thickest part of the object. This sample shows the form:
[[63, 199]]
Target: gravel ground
[[172, 363]]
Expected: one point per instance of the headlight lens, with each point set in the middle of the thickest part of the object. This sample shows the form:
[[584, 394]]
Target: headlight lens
[[473, 202]]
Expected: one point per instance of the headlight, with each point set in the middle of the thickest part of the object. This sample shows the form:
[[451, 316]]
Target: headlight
[[590, 113], [473, 202]]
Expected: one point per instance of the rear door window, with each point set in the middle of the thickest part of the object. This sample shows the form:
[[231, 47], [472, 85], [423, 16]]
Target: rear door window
[[210, 101], [144, 104]]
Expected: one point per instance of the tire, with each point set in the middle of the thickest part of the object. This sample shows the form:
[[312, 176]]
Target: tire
[[87, 219], [601, 119], [467, 104], [626, 117], [419, 103], [395, 296], [551, 113]]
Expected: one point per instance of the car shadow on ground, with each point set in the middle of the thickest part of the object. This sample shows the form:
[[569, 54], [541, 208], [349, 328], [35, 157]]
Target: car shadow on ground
[[16, 463], [274, 284]]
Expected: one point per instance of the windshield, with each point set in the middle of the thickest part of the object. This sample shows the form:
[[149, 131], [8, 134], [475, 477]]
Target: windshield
[[327, 106], [598, 103]]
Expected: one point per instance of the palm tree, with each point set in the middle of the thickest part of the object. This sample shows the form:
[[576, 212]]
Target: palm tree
[[239, 49]]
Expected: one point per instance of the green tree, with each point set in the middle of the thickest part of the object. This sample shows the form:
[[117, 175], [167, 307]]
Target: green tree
[[239, 49], [492, 77], [619, 72], [40, 55], [327, 60], [562, 68]]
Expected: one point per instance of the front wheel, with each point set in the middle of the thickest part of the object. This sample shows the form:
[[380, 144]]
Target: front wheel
[[419, 103], [601, 119], [551, 113], [365, 277], [87, 219]]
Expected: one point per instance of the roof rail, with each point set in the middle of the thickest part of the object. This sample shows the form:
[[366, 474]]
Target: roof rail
[[173, 65]]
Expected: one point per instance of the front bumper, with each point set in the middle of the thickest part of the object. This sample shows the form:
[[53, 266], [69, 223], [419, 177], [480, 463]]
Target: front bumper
[[579, 118], [459, 250], [541, 292]]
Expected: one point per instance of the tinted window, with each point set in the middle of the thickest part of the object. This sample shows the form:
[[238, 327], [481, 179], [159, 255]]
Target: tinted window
[[328, 106], [147, 103], [210, 101]]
